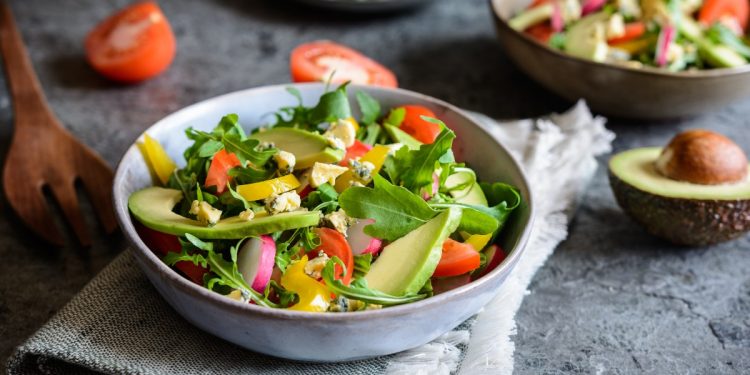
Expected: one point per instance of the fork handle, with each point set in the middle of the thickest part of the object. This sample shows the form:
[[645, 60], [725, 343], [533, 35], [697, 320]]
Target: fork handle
[[25, 90]]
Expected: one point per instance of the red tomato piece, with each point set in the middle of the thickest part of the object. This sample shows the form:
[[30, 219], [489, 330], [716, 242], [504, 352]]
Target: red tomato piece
[[457, 258], [163, 243], [714, 10], [414, 125], [357, 150], [315, 61], [541, 32], [218, 172], [132, 45], [333, 244], [633, 30]]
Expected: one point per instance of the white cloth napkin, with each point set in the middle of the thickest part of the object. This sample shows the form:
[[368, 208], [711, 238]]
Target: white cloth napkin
[[558, 155]]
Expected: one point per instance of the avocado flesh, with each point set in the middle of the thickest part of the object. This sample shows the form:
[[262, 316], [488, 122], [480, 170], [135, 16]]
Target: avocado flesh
[[681, 212], [152, 207], [405, 265], [402, 137], [308, 148]]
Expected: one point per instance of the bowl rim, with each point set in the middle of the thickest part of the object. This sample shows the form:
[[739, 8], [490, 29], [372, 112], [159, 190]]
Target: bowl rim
[[645, 70], [149, 259]]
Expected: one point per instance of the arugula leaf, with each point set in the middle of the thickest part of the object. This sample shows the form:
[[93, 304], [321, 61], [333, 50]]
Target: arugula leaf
[[359, 290], [223, 272], [229, 126], [286, 297], [295, 93], [362, 265], [209, 148], [332, 106], [369, 107], [476, 219], [414, 168], [370, 134], [249, 175], [396, 211], [247, 150]]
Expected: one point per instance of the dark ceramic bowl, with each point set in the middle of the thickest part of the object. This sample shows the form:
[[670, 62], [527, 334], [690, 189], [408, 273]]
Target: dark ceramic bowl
[[322, 336], [642, 93]]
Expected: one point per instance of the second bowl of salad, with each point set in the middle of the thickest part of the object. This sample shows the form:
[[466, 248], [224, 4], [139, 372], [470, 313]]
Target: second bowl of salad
[[323, 223], [651, 59]]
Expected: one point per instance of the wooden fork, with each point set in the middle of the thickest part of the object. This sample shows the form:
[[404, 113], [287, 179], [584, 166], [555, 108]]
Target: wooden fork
[[43, 156]]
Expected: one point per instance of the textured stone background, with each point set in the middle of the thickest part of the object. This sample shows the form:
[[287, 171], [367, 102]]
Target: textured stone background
[[611, 299]]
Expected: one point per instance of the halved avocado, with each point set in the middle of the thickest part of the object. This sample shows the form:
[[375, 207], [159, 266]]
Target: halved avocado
[[681, 212], [152, 206], [307, 147]]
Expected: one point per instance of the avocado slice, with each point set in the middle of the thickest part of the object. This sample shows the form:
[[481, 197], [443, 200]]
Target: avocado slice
[[307, 147], [681, 212], [152, 207], [407, 263], [400, 136], [587, 38], [717, 55], [462, 186]]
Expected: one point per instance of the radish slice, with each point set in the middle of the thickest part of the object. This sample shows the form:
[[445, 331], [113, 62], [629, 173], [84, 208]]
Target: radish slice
[[662, 45], [435, 187], [255, 261], [591, 6], [360, 242], [557, 19]]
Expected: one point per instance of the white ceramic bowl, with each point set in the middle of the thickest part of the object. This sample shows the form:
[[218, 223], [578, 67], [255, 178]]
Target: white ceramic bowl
[[322, 336]]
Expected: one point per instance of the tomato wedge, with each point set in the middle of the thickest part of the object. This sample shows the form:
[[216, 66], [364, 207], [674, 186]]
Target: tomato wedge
[[218, 172], [315, 61], [714, 10], [333, 244], [357, 150], [132, 45], [414, 125], [163, 243], [633, 30], [457, 258], [541, 32]]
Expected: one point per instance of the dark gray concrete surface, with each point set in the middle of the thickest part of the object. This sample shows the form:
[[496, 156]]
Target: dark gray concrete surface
[[610, 300]]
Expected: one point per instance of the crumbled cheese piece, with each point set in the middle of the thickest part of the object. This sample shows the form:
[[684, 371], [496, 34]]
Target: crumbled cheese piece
[[362, 170], [205, 213], [615, 26], [343, 130], [314, 267], [285, 161], [335, 142], [285, 202], [338, 220], [340, 304], [571, 11], [247, 215], [356, 183], [322, 173], [675, 52]]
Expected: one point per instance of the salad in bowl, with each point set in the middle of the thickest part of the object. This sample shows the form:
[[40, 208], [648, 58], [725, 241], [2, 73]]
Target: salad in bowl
[[675, 35], [334, 207]]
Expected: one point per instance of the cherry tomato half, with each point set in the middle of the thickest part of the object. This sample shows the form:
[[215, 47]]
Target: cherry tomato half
[[132, 45], [457, 258], [417, 127], [333, 244], [315, 61]]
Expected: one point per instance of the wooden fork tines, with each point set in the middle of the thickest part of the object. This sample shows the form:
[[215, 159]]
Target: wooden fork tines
[[43, 156]]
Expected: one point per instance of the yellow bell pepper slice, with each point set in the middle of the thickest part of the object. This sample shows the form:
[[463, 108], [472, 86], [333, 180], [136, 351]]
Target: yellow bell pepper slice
[[635, 46], [477, 241], [313, 296], [264, 189], [159, 163], [376, 156]]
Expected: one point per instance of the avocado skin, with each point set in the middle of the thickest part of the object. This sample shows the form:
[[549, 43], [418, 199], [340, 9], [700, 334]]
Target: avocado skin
[[689, 222]]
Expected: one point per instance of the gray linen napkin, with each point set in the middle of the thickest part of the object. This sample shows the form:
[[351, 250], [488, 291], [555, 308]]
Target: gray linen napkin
[[119, 324]]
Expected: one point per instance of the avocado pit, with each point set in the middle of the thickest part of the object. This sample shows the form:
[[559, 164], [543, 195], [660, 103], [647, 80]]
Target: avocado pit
[[703, 157], [693, 192]]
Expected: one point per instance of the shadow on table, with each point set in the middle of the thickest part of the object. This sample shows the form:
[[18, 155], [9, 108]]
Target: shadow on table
[[475, 74]]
